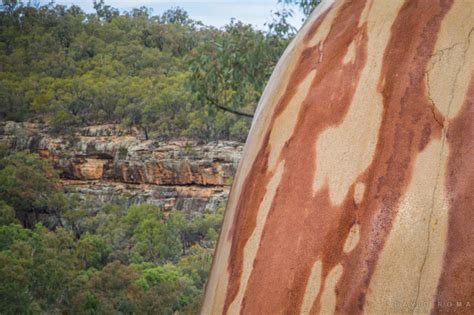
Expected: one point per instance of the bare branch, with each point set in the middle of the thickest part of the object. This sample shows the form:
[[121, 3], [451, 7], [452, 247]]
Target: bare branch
[[228, 109]]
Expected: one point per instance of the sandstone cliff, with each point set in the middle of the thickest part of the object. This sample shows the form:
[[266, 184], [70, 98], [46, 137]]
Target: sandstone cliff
[[110, 163]]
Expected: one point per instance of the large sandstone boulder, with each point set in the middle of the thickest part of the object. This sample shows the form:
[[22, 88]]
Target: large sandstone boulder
[[356, 189]]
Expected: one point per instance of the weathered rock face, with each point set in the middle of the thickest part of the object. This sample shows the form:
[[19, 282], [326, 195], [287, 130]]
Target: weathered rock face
[[193, 200], [109, 163], [356, 189]]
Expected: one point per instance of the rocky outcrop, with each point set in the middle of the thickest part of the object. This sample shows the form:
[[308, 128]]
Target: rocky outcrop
[[110, 163], [192, 200]]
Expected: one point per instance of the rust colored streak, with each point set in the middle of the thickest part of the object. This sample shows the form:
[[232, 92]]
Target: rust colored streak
[[303, 227], [407, 126], [281, 267], [457, 280], [254, 188], [308, 61]]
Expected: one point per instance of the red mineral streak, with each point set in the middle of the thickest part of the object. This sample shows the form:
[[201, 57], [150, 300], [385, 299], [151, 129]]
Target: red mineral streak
[[309, 59], [335, 89], [408, 124], [457, 280], [254, 188], [303, 227]]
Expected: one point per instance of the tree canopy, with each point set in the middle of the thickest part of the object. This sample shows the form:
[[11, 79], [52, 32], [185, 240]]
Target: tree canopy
[[168, 74], [306, 6], [58, 256]]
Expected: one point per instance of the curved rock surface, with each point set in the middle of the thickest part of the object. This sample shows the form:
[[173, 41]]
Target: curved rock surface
[[355, 193]]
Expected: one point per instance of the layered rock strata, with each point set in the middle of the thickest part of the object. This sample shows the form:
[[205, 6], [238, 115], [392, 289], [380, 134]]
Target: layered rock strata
[[108, 163]]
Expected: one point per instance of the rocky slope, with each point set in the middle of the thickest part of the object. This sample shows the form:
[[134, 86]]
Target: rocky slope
[[108, 163]]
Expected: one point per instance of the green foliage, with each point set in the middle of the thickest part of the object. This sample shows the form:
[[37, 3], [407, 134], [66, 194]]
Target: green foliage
[[155, 239], [113, 289], [93, 251], [307, 6], [37, 267], [230, 70], [117, 260], [163, 73], [170, 288], [24, 181], [53, 271], [28, 184], [7, 214], [11, 233], [15, 284], [169, 75], [197, 263]]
